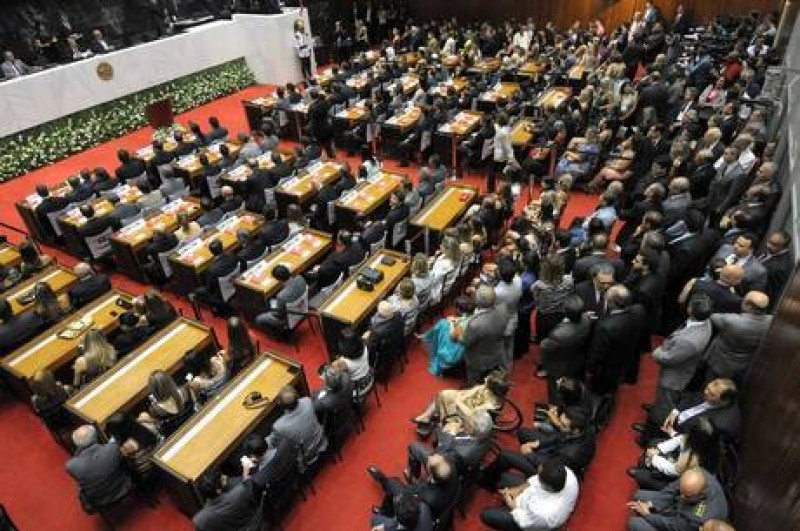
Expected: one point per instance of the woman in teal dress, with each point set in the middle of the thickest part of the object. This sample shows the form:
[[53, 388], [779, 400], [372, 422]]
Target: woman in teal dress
[[444, 349]]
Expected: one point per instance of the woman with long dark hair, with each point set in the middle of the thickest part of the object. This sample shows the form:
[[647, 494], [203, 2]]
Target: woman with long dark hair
[[241, 349]]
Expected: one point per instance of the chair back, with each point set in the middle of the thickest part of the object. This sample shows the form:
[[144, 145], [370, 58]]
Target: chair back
[[269, 197], [226, 286], [425, 139], [163, 262], [214, 185], [488, 148], [133, 219], [354, 268], [331, 213], [254, 261], [399, 231], [165, 171], [297, 310], [378, 245], [325, 293], [100, 244], [52, 217]]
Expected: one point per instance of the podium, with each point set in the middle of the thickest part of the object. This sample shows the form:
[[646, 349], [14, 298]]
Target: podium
[[159, 113]]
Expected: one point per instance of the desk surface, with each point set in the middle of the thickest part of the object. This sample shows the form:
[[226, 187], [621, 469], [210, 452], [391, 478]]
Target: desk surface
[[463, 124], [196, 255], [240, 173], [533, 67], [554, 97], [355, 113], [486, 65], [406, 119], [369, 195], [147, 153], [102, 206], [350, 305], [9, 255], [57, 277], [302, 187], [224, 421], [31, 201], [49, 351], [126, 383], [458, 83], [191, 163], [501, 91], [522, 133], [298, 254], [447, 206], [140, 232]]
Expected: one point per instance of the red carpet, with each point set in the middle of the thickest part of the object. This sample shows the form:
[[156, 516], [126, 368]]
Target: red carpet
[[40, 495]]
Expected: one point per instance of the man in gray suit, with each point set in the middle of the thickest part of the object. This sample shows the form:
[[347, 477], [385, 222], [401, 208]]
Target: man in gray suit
[[98, 469], [463, 440], [678, 201], [738, 337], [686, 503], [276, 317], [742, 253], [727, 186], [13, 67], [680, 353], [483, 335], [299, 424]]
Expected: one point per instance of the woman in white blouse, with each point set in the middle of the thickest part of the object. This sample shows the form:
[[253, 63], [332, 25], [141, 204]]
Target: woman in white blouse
[[445, 263]]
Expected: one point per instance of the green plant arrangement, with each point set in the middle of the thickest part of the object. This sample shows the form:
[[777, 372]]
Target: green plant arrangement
[[42, 145]]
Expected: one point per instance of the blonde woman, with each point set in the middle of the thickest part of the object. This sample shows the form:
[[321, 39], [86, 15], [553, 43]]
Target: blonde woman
[[445, 263], [98, 356], [420, 276], [405, 301], [48, 394]]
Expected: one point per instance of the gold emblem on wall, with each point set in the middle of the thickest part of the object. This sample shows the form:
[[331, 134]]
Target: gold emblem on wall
[[105, 71]]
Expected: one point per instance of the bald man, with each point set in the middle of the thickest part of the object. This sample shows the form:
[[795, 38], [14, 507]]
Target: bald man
[[230, 201], [738, 337], [721, 288], [97, 468], [683, 505], [89, 286], [385, 338]]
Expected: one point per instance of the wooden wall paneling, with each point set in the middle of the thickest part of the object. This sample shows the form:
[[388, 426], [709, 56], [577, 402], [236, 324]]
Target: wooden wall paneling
[[767, 494]]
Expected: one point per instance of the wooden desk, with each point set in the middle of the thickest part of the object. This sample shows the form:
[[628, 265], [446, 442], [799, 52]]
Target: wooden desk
[[487, 65], [367, 199], [129, 242], [301, 189], [147, 153], [57, 277], [213, 432], [190, 166], [26, 208], [522, 133], [452, 61], [237, 177], [73, 220], [405, 120], [442, 211], [257, 285], [532, 68], [190, 261], [410, 58], [9, 256], [257, 108], [453, 132], [358, 82], [554, 97], [410, 83], [350, 306], [501, 92], [459, 84], [51, 352], [125, 384]]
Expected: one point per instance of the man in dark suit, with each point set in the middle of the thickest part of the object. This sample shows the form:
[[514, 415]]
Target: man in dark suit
[[99, 44], [742, 253], [217, 132], [182, 147], [93, 225], [16, 330], [647, 287], [162, 242], [482, 335], [340, 261], [564, 350], [615, 342], [90, 285], [464, 441], [398, 211], [592, 292], [655, 94], [129, 168], [275, 230], [572, 442], [583, 266], [97, 468], [222, 264], [80, 190], [130, 334], [326, 193], [385, 340], [720, 288], [727, 186], [102, 181], [260, 179], [335, 399], [717, 403], [251, 246], [49, 203], [371, 232], [778, 263], [280, 169], [225, 509], [230, 201], [436, 491], [274, 465]]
